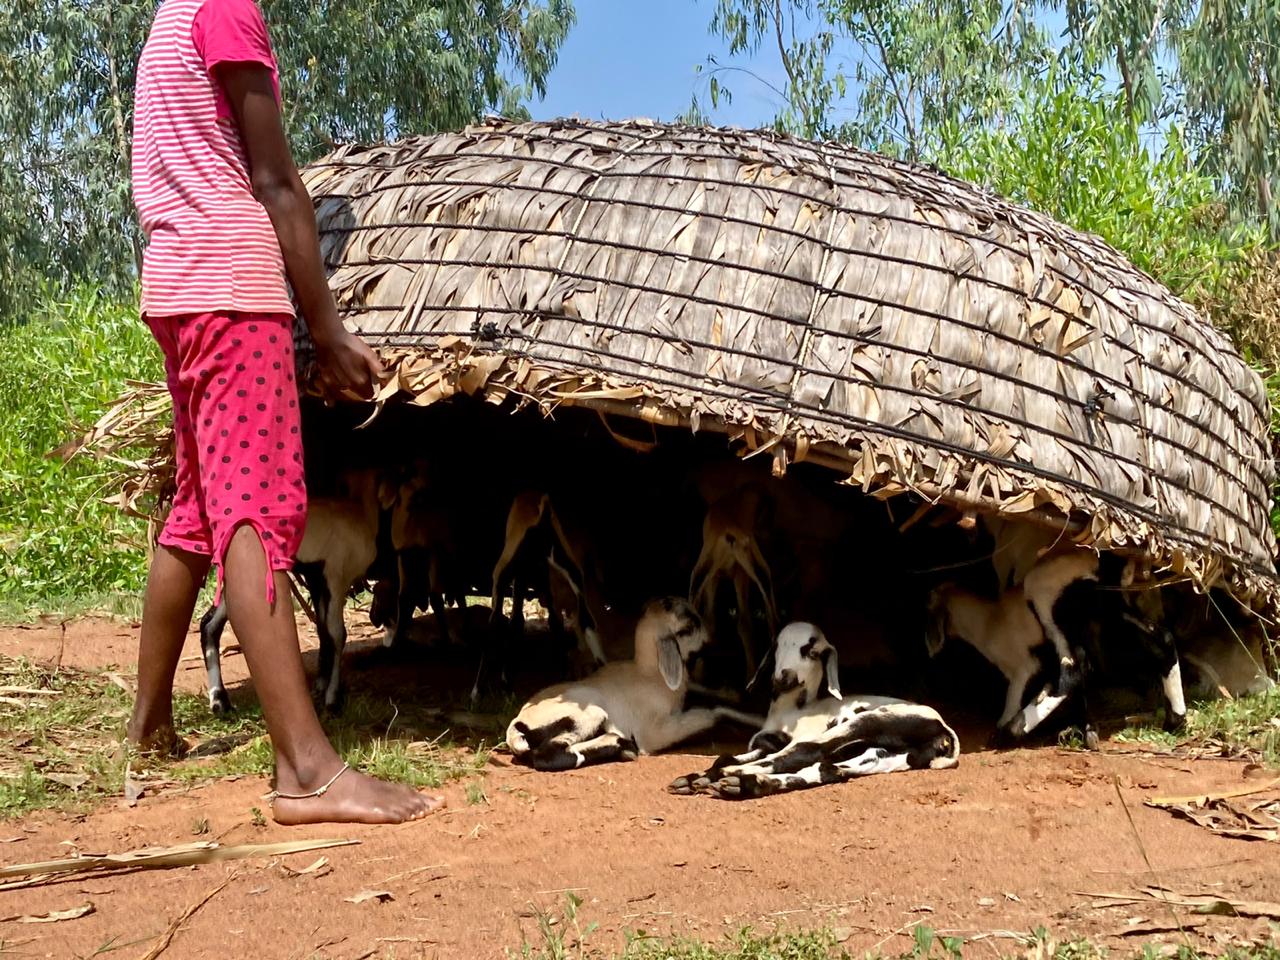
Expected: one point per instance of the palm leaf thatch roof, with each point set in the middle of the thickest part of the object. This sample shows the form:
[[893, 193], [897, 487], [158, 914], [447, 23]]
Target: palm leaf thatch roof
[[822, 303]]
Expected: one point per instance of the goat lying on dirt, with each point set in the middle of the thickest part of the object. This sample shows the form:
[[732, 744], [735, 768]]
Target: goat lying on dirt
[[625, 708], [337, 549], [1063, 604], [814, 736]]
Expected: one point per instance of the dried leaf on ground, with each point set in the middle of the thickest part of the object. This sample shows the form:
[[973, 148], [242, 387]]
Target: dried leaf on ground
[[1148, 927], [53, 916], [1243, 814], [365, 896], [319, 869], [72, 781], [1200, 903]]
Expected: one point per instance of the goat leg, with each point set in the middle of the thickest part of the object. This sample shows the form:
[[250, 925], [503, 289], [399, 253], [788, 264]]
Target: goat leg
[[211, 626], [335, 627], [678, 727], [1068, 668]]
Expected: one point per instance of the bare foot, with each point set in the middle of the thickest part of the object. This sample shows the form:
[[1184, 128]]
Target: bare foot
[[158, 740], [356, 798]]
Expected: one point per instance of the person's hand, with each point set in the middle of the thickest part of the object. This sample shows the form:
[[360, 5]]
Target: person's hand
[[348, 367]]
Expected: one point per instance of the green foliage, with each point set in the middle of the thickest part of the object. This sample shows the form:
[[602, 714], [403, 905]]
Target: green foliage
[[1212, 64], [913, 68], [917, 65], [1242, 726], [348, 71], [57, 539], [1064, 148], [64, 750], [561, 937]]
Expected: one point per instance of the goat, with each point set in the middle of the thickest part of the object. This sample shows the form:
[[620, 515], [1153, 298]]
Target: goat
[[626, 708], [1062, 604], [420, 536], [731, 555], [567, 553], [443, 532], [539, 551], [814, 735], [337, 549]]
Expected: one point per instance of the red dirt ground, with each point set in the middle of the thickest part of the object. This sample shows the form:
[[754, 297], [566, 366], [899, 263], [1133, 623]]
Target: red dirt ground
[[1007, 842]]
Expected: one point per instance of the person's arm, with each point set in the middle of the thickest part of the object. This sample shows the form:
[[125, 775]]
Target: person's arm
[[347, 364]]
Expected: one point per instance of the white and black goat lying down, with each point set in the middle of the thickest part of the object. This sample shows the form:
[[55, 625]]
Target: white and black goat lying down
[[337, 549], [814, 735], [627, 707], [1068, 618]]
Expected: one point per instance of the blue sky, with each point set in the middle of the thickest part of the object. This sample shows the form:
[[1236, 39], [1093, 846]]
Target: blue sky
[[636, 58]]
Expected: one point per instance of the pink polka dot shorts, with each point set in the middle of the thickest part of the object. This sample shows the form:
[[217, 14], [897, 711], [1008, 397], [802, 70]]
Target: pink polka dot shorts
[[239, 445]]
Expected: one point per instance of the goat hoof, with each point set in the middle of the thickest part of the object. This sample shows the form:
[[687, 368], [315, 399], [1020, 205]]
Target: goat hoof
[[220, 702], [333, 704], [1091, 740], [682, 786], [1175, 722], [726, 788], [1004, 738]]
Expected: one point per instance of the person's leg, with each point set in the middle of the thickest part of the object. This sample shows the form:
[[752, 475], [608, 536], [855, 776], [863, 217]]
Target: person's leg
[[305, 760], [251, 470], [178, 568], [172, 587]]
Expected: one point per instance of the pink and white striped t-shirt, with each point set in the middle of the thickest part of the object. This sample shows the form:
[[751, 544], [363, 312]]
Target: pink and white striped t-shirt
[[210, 244]]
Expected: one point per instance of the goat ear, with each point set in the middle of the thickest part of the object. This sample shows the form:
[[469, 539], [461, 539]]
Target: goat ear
[[388, 490], [831, 665], [670, 663], [935, 636]]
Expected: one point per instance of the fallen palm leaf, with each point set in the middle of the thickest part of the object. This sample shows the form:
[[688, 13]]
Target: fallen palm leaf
[[1201, 903], [319, 868], [72, 781], [54, 916], [1223, 814], [365, 896], [161, 857], [1148, 927], [1200, 799], [167, 937]]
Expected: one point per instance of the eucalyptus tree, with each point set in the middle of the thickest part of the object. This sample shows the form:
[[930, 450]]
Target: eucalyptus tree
[[887, 74]]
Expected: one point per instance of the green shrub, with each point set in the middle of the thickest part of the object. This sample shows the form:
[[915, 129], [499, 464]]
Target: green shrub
[[59, 543], [1067, 150]]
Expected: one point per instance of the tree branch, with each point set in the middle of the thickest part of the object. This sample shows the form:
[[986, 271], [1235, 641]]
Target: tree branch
[[117, 117], [908, 120]]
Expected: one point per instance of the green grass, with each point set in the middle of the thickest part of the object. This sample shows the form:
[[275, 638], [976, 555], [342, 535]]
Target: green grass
[[64, 750], [564, 936], [1247, 725], [58, 542]]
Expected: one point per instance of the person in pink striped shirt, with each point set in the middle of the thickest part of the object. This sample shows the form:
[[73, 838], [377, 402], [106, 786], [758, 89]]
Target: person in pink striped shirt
[[227, 220]]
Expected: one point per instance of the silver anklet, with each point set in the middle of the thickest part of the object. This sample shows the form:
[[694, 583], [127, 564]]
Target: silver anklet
[[275, 795]]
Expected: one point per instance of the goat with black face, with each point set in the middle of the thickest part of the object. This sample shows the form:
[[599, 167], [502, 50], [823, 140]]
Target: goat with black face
[[815, 735]]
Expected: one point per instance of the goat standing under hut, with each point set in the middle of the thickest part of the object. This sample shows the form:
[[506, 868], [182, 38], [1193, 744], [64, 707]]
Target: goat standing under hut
[[337, 550], [1072, 601], [814, 735], [625, 708]]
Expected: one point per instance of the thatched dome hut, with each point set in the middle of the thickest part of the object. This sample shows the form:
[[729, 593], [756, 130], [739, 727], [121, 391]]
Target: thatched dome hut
[[820, 304]]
